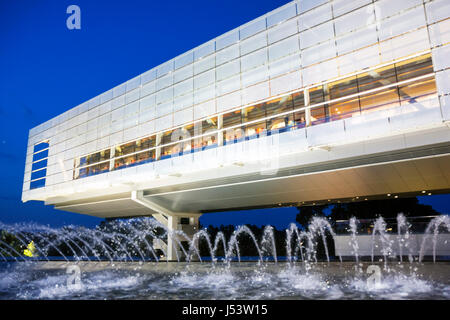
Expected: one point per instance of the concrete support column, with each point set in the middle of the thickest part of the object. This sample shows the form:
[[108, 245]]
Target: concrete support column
[[112, 155], [157, 144], [307, 110], [172, 245], [220, 134], [186, 222]]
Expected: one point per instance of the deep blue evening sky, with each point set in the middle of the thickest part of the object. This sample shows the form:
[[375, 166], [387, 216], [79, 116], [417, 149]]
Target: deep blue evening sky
[[46, 69]]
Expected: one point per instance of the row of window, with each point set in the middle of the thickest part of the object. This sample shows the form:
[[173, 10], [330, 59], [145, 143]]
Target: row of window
[[374, 90], [39, 165]]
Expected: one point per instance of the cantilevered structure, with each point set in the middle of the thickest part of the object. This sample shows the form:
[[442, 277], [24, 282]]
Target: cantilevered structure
[[315, 101]]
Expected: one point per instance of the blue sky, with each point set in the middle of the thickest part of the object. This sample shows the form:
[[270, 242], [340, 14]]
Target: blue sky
[[47, 69]]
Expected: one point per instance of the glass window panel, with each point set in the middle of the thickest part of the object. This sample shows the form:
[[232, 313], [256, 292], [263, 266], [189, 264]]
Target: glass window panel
[[440, 57], [255, 129], [168, 151], [164, 108], [164, 82], [119, 90], [376, 78], [191, 130], [356, 39], [38, 174], [37, 184], [164, 68], [342, 88], [317, 34], [204, 94], [344, 109], [183, 87], [145, 143], [227, 54], [125, 162], [306, 5], [254, 112], [254, 76], [285, 13], [146, 156], [227, 70], [402, 23], [318, 53], [133, 83], [204, 79], [386, 8], [384, 99], [298, 100], [95, 169], [209, 125], [95, 157], [183, 73], [316, 95], [283, 48], [282, 31], [40, 146], [254, 60], [204, 64], [437, 10], [233, 135], [314, 17], [229, 85], [232, 118], [300, 119], [204, 50], [167, 137], [254, 43], [343, 6], [319, 114], [284, 65], [281, 123], [253, 28], [184, 60], [40, 155], [39, 165], [439, 33], [104, 97], [183, 102], [148, 76], [227, 39], [354, 20], [422, 90], [415, 67], [279, 105], [207, 141]]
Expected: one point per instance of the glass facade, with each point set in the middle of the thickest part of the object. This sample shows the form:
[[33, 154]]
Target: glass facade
[[392, 85], [39, 165], [304, 64]]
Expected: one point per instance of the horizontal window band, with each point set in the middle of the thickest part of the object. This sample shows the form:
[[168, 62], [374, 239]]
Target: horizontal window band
[[38, 174], [289, 112], [39, 165]]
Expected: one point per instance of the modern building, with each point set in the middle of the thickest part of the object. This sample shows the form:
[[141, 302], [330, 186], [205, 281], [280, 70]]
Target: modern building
[[315, 101]]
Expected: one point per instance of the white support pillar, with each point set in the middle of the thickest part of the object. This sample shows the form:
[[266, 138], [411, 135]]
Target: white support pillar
[[307, 110], [172, 246], [171, 220]]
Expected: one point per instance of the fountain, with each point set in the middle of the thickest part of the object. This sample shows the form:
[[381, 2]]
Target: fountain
[[120, 255]]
